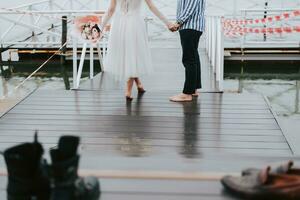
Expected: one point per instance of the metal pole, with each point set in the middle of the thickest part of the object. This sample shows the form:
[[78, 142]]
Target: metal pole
[[64, 71], [1, 66], [91, 61], [74, 62], [297, 97], [100, 57], [81, 65]]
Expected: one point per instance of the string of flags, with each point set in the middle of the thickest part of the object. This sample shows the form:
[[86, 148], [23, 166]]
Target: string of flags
[[238, 27]]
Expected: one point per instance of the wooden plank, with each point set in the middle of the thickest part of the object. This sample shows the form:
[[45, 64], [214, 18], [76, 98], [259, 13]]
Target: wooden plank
[[212, 132], [147, 97], [135, 129], [93, 157], [122, 101], [25, 134], [191, 125], [159, 94], [161, 143], [142, 109], [208, 105], [122, 119], [137, 113]]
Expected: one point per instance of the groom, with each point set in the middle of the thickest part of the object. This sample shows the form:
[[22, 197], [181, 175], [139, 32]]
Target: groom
[[191, 24]]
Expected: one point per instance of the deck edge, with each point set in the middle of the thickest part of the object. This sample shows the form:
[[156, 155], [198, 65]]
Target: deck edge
[[17, 103], [287, 139]]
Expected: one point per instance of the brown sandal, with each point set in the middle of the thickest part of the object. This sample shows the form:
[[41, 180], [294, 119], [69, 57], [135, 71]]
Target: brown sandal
[[264, 185], [285, 168]]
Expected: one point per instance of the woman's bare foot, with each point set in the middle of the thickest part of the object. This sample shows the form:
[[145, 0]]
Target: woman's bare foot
[[181, 98], [139, 85], [129, 89]]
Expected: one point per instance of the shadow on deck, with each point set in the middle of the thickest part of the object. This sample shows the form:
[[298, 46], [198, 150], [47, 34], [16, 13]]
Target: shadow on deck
[[214, 133]]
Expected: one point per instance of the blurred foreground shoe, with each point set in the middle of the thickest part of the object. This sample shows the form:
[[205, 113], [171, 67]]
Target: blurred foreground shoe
[[66, 185], [285, 168], [264, 185], [27, 179]]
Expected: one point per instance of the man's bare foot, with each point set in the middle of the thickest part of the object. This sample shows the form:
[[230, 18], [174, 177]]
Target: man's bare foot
[[196, 94], [181, 98]]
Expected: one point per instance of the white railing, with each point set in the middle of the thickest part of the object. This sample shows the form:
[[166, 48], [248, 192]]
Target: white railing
[[215, 48], [38, 24]]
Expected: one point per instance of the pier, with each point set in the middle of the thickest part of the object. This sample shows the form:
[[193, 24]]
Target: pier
[[150, 148], [153, 148]]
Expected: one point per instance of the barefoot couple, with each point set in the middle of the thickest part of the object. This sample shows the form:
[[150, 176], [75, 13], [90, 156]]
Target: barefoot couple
[[128, 50]]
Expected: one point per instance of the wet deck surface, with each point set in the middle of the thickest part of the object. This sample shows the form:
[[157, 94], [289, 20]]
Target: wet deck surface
[[214, 133]]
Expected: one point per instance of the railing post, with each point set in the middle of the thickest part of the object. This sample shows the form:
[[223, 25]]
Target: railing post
[[100, 57], [32, 23], [74, 62], [91, 61], [64, 40], [1, 66], [219, 54], [81, 63]]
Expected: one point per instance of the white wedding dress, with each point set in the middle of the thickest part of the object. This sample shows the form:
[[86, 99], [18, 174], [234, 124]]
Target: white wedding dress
[[128, 49]]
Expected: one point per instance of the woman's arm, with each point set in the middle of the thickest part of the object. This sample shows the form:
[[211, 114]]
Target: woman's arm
[[156, 12], [110, 12]]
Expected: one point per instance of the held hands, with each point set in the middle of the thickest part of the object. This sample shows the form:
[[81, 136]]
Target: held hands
[[173, 27]]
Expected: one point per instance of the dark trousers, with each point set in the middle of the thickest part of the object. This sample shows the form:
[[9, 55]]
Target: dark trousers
[[191, 60]]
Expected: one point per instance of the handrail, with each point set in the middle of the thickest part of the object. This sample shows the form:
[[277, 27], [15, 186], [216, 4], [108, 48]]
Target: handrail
[[54, 12]]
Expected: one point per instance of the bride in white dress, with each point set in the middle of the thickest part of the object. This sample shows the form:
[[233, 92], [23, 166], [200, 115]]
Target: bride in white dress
[[128, 55]]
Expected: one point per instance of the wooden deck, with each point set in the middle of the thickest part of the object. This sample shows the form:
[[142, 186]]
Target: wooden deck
[[214, 133]]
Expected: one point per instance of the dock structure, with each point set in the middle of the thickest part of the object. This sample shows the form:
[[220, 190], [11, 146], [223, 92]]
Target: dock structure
[[151, 147]]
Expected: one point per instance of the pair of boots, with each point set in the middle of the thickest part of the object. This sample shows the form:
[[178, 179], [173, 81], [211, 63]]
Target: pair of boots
[[31, 178]]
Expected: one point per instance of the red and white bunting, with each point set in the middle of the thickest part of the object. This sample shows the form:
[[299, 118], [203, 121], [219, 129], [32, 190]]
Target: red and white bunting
[[283, 16], [239, 31]]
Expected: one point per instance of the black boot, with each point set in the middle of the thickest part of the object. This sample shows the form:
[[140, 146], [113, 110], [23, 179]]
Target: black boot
[[66, 183], [27, 177]]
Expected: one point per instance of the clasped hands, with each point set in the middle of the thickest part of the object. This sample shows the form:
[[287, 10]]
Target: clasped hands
[[173, 27]]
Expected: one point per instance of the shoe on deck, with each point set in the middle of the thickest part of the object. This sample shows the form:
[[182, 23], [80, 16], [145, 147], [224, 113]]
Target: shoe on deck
[[285, 168], [264, 185]]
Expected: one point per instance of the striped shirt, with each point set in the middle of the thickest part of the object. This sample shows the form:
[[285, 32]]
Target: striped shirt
[[190, 13]]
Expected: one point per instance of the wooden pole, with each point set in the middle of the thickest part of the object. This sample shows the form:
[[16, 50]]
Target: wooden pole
[[64, 70]]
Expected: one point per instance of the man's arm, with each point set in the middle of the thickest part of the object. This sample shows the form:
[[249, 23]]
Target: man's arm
[[190, 8]]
